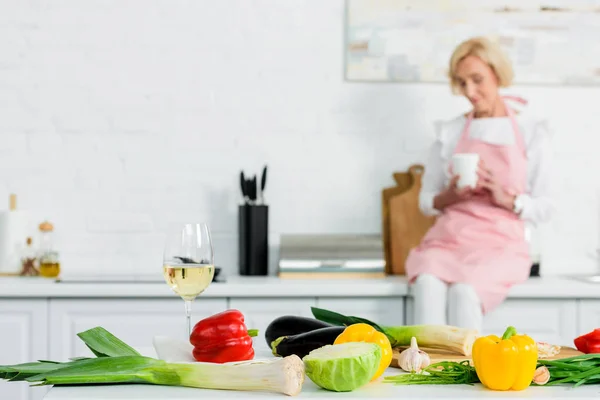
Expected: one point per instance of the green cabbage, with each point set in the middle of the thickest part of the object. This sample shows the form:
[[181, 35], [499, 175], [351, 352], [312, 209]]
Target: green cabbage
[[343, 367]]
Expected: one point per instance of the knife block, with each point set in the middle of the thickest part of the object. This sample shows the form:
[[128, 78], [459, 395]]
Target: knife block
[[253, 230]]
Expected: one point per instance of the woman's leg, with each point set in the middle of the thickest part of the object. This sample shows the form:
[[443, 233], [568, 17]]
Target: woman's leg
[[429, 296], [464, 307]]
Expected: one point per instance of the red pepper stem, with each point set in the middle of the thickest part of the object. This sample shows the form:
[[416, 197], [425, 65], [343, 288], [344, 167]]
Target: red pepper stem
[[252, 332], [510, 332]]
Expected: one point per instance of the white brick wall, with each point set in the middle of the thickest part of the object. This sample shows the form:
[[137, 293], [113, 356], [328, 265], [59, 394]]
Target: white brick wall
[[119, 115]]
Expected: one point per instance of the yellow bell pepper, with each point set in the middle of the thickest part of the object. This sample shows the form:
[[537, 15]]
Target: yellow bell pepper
[[506, 363], [366, 333]]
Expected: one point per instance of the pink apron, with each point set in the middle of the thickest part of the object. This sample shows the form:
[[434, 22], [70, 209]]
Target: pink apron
[[474, 241]]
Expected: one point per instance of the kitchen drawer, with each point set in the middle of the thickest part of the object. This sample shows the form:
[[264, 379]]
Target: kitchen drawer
[[381, 310], [23, 338], [135, 321], [588, 312], [259, 312], [546, 320]]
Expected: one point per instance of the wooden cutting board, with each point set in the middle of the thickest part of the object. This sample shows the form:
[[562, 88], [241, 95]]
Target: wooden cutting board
[[386, 196], [406, 223], [437, 355]]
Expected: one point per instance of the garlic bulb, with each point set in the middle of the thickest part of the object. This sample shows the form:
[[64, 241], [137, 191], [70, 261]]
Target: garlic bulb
[[413, 359], [541, 376]]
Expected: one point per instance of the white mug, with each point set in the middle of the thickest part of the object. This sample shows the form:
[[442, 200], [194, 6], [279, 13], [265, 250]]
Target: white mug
[[465, 165]]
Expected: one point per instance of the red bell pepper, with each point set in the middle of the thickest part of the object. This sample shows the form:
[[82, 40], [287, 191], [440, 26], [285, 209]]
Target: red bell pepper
[[222, 338], [589, 343]]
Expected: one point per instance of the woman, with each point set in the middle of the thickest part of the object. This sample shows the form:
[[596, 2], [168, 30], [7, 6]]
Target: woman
[[476, 250]]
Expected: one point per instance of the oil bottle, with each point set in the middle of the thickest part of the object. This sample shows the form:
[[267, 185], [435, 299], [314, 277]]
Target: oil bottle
[[49, 265]]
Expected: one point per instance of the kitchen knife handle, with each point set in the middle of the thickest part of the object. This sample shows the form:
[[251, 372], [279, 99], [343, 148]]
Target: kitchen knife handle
[[244, 187], [263, 179]]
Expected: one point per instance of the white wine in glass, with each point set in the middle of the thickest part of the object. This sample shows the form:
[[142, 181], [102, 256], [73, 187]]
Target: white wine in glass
[[188, 280], [188, 266]]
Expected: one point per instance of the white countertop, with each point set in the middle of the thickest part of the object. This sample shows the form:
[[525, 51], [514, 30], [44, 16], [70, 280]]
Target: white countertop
[[236, 286], [311, 391], [271, 286]]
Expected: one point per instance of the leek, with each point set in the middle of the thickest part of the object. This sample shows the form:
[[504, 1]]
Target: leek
[[20, 372], [117, 362], [444, 337], [281, 375], [104, 344]]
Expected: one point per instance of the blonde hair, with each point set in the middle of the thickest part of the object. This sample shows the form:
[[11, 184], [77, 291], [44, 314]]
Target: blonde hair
[[487, 51]]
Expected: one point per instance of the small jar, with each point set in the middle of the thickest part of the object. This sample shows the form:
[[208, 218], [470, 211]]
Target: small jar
[[29, 259], [49, 265]]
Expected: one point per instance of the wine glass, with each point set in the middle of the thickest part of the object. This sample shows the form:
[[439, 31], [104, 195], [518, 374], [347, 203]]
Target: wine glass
[[188, 263]]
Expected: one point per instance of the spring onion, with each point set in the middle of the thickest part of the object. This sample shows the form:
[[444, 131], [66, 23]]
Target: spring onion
[[441, 373], [577, 370], [116, 362], [445, 337]]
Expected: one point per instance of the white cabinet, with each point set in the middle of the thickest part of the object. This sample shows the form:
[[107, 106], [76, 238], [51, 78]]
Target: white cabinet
[[23, 338], [259, 312], [545, 320], [381, 310], [588, 316], [135, 321]]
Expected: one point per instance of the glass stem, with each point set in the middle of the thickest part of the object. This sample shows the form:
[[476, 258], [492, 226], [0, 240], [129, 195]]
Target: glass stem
[[188, 316]]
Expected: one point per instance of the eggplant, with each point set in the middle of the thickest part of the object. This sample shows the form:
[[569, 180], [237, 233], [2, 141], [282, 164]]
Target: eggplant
[[303, 343], [290, 325]]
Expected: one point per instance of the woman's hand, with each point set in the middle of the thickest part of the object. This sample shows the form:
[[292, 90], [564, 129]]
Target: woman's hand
[[488, 182], [452, 195]]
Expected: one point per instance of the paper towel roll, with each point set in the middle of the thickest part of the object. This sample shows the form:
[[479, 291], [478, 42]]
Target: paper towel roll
[[15, 227]]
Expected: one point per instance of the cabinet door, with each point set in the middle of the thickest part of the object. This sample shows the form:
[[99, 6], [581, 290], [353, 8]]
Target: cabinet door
[[545, 320], [588, 316], [23, 338], [381, 310], [259, 312], [134, 321]]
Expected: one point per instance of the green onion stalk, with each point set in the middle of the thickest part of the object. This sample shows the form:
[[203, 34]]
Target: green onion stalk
[[576, 371], [441, 373]]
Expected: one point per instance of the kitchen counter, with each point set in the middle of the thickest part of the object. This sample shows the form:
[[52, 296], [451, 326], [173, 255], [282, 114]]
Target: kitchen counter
[[266, 286], [311, 391], [271, 286]]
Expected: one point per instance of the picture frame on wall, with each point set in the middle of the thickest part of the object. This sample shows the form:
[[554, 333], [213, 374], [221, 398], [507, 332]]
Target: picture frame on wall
[[553, 43]]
